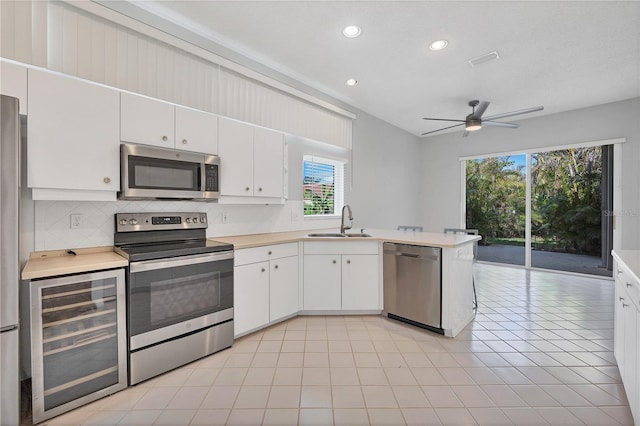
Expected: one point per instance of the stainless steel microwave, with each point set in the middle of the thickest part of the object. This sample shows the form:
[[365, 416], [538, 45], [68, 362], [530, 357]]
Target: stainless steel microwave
[[148, 172]]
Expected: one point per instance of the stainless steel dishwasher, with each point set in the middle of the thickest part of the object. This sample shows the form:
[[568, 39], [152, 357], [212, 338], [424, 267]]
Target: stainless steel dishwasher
[[413, 285]]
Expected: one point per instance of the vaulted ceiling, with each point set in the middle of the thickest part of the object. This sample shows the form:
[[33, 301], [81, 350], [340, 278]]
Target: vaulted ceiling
[[560, 54]]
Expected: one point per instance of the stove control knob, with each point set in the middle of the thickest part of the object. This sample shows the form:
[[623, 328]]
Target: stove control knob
[[123, 221], [202, 219], [195, 220], [133, 222], [188, 220]]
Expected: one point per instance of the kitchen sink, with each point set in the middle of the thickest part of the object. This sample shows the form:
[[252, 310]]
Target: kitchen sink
[[336, 235]]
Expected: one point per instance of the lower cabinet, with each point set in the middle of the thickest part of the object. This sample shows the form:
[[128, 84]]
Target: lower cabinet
[[341, 276], [78, 340], [627, 330], [265, 287]]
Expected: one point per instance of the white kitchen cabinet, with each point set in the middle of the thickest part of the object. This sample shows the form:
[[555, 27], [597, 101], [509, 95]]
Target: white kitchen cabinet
[[265, 286], [268, 167], [251, 162], [342, 276], [283, 289], [74, 142], [153, 122], [322, 282], [627, 325], [360, 282], [250, 297], [13, 82]]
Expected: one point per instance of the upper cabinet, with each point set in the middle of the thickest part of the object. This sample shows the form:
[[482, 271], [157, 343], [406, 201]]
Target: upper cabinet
[[152, 122], [74, 142], [251, 162], [13, 82]]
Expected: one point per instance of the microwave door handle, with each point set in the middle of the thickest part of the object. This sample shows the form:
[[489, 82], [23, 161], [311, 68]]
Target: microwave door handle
[[203, 179]]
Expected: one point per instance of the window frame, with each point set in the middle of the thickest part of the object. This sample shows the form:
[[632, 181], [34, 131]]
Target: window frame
[[339, 167]]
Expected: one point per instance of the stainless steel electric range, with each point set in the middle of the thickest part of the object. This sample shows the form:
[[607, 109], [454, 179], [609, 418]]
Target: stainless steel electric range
[[179, 290]]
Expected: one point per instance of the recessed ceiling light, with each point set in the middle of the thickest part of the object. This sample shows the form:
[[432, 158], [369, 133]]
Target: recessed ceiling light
[[351, 31], [438, 45], [351, 82]]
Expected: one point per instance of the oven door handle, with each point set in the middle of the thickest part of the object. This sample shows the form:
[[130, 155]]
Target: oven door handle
[[152, 265]]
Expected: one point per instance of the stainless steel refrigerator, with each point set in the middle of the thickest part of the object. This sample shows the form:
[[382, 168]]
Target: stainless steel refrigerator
[[9, 260]]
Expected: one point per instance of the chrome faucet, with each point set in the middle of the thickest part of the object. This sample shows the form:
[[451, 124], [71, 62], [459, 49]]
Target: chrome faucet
[[343, 227]]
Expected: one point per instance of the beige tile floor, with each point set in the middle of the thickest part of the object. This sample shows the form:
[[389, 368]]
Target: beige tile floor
[[538, 352]]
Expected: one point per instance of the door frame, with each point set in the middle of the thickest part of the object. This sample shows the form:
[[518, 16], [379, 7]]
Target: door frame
[[617, 179]]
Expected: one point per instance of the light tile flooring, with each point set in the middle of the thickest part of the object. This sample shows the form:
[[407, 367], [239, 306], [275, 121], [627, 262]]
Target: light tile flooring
[[538, 352]]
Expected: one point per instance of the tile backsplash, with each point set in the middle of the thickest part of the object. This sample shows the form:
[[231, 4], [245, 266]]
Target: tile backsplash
[[53, 220]]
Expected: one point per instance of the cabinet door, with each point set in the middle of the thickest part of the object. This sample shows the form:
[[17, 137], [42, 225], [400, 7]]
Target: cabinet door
[[283, 283], [322, 282], [268, 157], [630, 371], [250, 296], [196, 131], [360, 282], [147, 121], [73, 128], [618, 331], [235, 148]]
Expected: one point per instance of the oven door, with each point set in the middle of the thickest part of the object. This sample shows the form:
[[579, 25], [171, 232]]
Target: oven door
[[167, 298]]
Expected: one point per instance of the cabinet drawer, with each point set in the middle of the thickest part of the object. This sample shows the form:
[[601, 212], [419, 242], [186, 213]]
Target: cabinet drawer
[[346, 247], [629, 285], [264, 253]]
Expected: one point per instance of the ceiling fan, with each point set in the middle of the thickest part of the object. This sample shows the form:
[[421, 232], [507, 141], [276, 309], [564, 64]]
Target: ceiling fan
[[475, 121]]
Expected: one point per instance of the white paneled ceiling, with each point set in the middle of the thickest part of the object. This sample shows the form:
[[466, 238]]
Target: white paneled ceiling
[[560, 54]]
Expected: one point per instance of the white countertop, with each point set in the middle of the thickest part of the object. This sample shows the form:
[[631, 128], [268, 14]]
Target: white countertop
[[60, 262], [631, 258], [403, 237]]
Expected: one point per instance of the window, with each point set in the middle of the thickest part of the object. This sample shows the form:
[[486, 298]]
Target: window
[[323, 186]]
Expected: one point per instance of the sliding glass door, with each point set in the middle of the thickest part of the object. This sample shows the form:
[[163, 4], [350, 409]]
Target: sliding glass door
[[496, 206], [544, 209]]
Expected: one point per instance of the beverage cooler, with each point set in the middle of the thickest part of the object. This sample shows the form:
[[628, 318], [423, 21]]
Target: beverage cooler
[[78, 349]]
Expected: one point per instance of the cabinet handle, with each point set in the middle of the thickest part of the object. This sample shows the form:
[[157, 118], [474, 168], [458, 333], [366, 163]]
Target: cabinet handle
[[106, 180], [621, 298], [247, 188], [348, 262], [262, 270], [276, 267], [184, 141], [259, 189], [269, 252], [164, 138], [624, 305], [334, 261], [629, 285]]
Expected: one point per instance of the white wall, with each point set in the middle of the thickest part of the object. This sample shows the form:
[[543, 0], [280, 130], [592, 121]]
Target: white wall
[[386, 175], [441, 186]]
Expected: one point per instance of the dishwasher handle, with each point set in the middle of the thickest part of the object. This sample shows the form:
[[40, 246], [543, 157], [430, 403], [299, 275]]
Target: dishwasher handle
[[424, 253]]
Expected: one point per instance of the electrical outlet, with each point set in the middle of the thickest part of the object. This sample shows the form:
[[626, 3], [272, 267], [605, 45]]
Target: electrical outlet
[[225, 217], [76, 221]]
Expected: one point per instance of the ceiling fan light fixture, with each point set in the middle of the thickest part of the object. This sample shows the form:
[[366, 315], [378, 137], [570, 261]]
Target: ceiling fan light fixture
[[438, 45], [473, 125], [351, 31]]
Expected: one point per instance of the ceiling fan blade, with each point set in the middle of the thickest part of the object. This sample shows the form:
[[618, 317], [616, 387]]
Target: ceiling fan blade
[[481, 109], [512, 113], [443, 119], [465, 134], [444, 128], [499, 124]]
